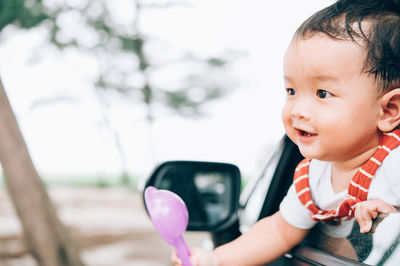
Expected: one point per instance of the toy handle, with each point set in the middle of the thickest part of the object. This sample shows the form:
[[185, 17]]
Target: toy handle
[[183, 251]]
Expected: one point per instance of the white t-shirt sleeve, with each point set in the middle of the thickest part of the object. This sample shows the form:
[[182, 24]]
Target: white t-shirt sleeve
[[392, 171], [294, 212], [386, 183]]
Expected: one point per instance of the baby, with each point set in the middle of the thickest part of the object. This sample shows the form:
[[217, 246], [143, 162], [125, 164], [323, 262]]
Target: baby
[[342, 78]]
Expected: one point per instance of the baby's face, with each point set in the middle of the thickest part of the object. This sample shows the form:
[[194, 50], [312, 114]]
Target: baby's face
[[332, 108]]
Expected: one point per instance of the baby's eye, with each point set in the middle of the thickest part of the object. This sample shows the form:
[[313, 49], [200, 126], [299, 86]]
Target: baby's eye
[[290, 92], [323, 94]]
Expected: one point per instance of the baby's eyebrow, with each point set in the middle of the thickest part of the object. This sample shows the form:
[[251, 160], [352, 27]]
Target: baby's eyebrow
[[287, 78], [324, 78], [316, 77]]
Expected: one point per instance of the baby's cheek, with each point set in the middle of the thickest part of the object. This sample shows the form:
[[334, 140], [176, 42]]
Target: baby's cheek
[[287, 125], [285, 116]]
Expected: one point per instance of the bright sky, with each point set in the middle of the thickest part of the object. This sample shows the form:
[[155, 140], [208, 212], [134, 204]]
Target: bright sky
[[66, 137]]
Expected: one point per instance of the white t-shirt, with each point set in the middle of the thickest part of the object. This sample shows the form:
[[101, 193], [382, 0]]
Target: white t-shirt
[[385, 185]]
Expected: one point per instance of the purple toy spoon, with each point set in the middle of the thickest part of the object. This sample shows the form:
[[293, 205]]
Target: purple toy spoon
[[170, 216]]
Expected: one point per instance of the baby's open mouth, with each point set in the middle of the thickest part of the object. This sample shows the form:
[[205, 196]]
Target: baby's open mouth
[[305, 133]]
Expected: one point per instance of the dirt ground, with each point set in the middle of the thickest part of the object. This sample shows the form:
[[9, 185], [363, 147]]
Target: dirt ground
[[110, 225]]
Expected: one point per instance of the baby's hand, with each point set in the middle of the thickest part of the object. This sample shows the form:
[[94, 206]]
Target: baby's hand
[[198, 257], [368, 210]]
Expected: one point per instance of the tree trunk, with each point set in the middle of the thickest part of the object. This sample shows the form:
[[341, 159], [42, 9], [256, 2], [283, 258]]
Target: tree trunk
[[48, 240]]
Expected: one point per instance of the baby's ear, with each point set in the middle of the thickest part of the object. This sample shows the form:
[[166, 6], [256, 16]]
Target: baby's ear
[[389, 118]]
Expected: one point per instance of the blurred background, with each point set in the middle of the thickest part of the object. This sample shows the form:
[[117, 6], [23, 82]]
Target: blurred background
[[105, 90]]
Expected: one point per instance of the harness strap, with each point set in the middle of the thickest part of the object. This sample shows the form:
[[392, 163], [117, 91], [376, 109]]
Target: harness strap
[[358, 187]]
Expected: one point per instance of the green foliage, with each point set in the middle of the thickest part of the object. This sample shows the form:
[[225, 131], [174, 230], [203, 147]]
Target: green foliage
[[128, 62], [115, 41], [218, 62], [22, 13]]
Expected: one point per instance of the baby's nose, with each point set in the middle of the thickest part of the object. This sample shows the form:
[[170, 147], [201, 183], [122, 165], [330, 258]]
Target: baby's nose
[[301, 112]]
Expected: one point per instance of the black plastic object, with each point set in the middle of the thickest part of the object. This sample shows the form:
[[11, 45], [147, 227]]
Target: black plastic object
[[210, 190], [282, 179]]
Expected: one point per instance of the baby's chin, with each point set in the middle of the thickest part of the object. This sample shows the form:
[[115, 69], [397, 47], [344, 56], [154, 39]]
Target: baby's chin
[[312, 155], [307, 151]]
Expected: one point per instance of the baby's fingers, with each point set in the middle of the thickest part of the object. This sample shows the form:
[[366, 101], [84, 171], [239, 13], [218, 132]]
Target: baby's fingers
[[365, 222], [175, 259], [366, 211], [364, 215]]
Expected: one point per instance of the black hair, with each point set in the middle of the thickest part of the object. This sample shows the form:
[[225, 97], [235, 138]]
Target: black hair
[[380, 36]]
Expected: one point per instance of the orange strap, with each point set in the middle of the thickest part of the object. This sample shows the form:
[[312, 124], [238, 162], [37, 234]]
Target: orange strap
[[358, 187]]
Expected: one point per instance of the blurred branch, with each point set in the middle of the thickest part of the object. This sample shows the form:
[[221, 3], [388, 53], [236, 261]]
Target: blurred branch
[[53, 100]]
